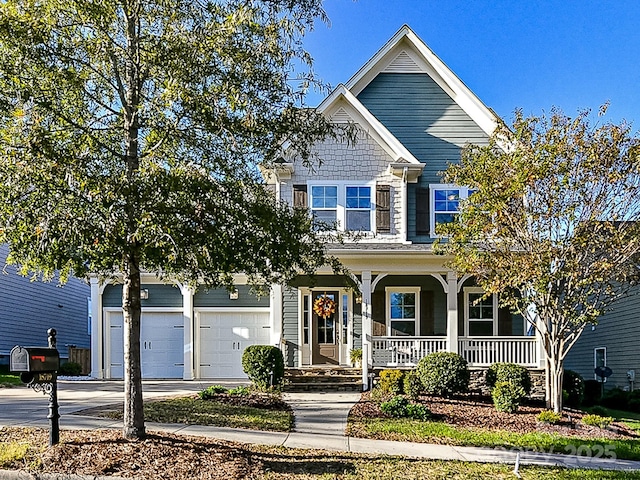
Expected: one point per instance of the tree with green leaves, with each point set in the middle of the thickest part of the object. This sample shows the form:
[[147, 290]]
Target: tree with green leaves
[[131, 132], [552, 226]]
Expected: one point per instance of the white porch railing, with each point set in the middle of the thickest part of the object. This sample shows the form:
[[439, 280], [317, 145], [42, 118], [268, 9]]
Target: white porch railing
[[477, 351], [404, 351], [483, 351]]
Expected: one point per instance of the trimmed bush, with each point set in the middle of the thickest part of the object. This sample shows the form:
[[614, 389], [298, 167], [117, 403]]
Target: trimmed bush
[[592, 391], [507, 397], [413, 387], [443, 373], [399, 407], [417, 411], [615, 398], [597, 421], [517, 375], [211, 392], [549, 416], [598, 410], [573, 384], [396, 407], [70, 369], [391, 381], [264, 365]]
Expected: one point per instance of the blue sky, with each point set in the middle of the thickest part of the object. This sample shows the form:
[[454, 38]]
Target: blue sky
[[512, 54]]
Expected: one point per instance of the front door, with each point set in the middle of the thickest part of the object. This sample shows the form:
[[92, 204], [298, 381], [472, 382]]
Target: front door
[[325, 345]]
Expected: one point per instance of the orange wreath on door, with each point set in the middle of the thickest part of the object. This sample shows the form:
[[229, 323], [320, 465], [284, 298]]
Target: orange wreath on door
[[324, 307]]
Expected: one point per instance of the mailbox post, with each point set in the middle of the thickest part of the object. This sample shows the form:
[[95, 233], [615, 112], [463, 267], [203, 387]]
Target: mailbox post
[[38, 367]]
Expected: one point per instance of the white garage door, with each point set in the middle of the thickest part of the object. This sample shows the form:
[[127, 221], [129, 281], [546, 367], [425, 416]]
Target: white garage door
[[161, 345], [223, 338]]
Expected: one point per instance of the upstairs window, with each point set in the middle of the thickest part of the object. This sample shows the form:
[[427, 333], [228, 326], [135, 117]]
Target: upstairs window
[[358, 205], [347, 207], [445, 204], [324, 203]]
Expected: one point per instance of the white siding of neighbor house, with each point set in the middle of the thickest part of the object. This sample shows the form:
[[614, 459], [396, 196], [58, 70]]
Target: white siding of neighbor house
[[363, 162]]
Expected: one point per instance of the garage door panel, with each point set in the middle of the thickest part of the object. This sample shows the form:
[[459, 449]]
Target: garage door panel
[[223, 338], [161, 345]]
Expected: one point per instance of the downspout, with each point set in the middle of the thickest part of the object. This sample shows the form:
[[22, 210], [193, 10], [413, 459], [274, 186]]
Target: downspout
[[405, 212]]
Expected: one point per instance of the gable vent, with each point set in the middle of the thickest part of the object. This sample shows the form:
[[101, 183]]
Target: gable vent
[[341, 116], [403, 63]]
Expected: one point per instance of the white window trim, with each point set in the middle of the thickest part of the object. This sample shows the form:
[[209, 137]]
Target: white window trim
[[467, 291], [464, 194], [595, 358], [388, 292], [341, 209]]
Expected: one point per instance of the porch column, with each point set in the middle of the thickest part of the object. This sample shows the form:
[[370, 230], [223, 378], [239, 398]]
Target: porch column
[[452, 312], [188, 371], [367, 326], [97, 368], [275, 316]]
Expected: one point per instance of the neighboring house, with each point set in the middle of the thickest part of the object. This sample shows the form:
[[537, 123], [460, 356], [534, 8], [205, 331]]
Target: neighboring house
[[28, 309], [414, 116], [613, 343]]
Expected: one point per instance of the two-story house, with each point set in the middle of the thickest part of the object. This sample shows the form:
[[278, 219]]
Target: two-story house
[[414, 116]]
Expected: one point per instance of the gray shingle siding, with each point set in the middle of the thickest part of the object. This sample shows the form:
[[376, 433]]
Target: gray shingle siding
[[219, 297], [427, 121], [159, 296], [619, 332], [28, 309], [290, 326]]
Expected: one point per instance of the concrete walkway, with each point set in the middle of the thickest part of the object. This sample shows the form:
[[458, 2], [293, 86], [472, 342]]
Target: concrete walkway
[[320, 424]]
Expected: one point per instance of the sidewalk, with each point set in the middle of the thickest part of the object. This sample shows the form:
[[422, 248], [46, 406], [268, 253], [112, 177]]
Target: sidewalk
[[320, 424]]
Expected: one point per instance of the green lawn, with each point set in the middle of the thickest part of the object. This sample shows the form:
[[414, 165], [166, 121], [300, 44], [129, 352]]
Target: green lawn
[[9, 380], [438, 432], [630, 419], [193, 411]]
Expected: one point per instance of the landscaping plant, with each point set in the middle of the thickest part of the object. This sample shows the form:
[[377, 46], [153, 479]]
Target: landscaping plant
[[264, 365], [509, 372], [443, 373], [507, 397]]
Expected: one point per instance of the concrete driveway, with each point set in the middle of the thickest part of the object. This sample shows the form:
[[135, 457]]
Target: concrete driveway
[[23, 406]]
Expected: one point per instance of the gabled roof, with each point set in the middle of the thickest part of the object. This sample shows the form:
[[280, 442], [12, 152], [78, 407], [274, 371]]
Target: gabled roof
[[342, 106], [405, 52]]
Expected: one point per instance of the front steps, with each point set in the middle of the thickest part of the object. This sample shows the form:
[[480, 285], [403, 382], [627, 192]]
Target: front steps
[[331, 378]]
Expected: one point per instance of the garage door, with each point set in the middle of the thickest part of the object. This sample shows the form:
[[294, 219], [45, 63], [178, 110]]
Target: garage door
[[223, 338], [161, 345]]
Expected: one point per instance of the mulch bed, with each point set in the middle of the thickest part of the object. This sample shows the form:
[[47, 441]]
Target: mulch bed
[[474, 411]]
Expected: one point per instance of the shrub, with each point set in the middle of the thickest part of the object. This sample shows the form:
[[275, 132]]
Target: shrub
[[418, 411], [598, 410], [211, 391], [507, 397], [239, 391], [509, 372], [597, 421], [379, 396], [592, 391], [443, 373], [70, 369], [391, 381], [573, 384], [396, 407], [412, 386], [264, 365], [549, 416], [616, 399], [399, 407]]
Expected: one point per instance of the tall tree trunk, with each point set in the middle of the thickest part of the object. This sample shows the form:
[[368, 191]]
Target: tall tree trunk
[[133, 424]]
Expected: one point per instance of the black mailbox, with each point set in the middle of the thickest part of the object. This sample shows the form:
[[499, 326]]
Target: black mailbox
[[34, 359]]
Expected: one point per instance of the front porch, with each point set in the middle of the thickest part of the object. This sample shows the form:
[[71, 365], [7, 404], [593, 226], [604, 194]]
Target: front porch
[[402, 351]]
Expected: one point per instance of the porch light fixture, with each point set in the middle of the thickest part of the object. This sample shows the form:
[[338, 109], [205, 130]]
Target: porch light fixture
[[144, 294], [358, 298], [233, 295]]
